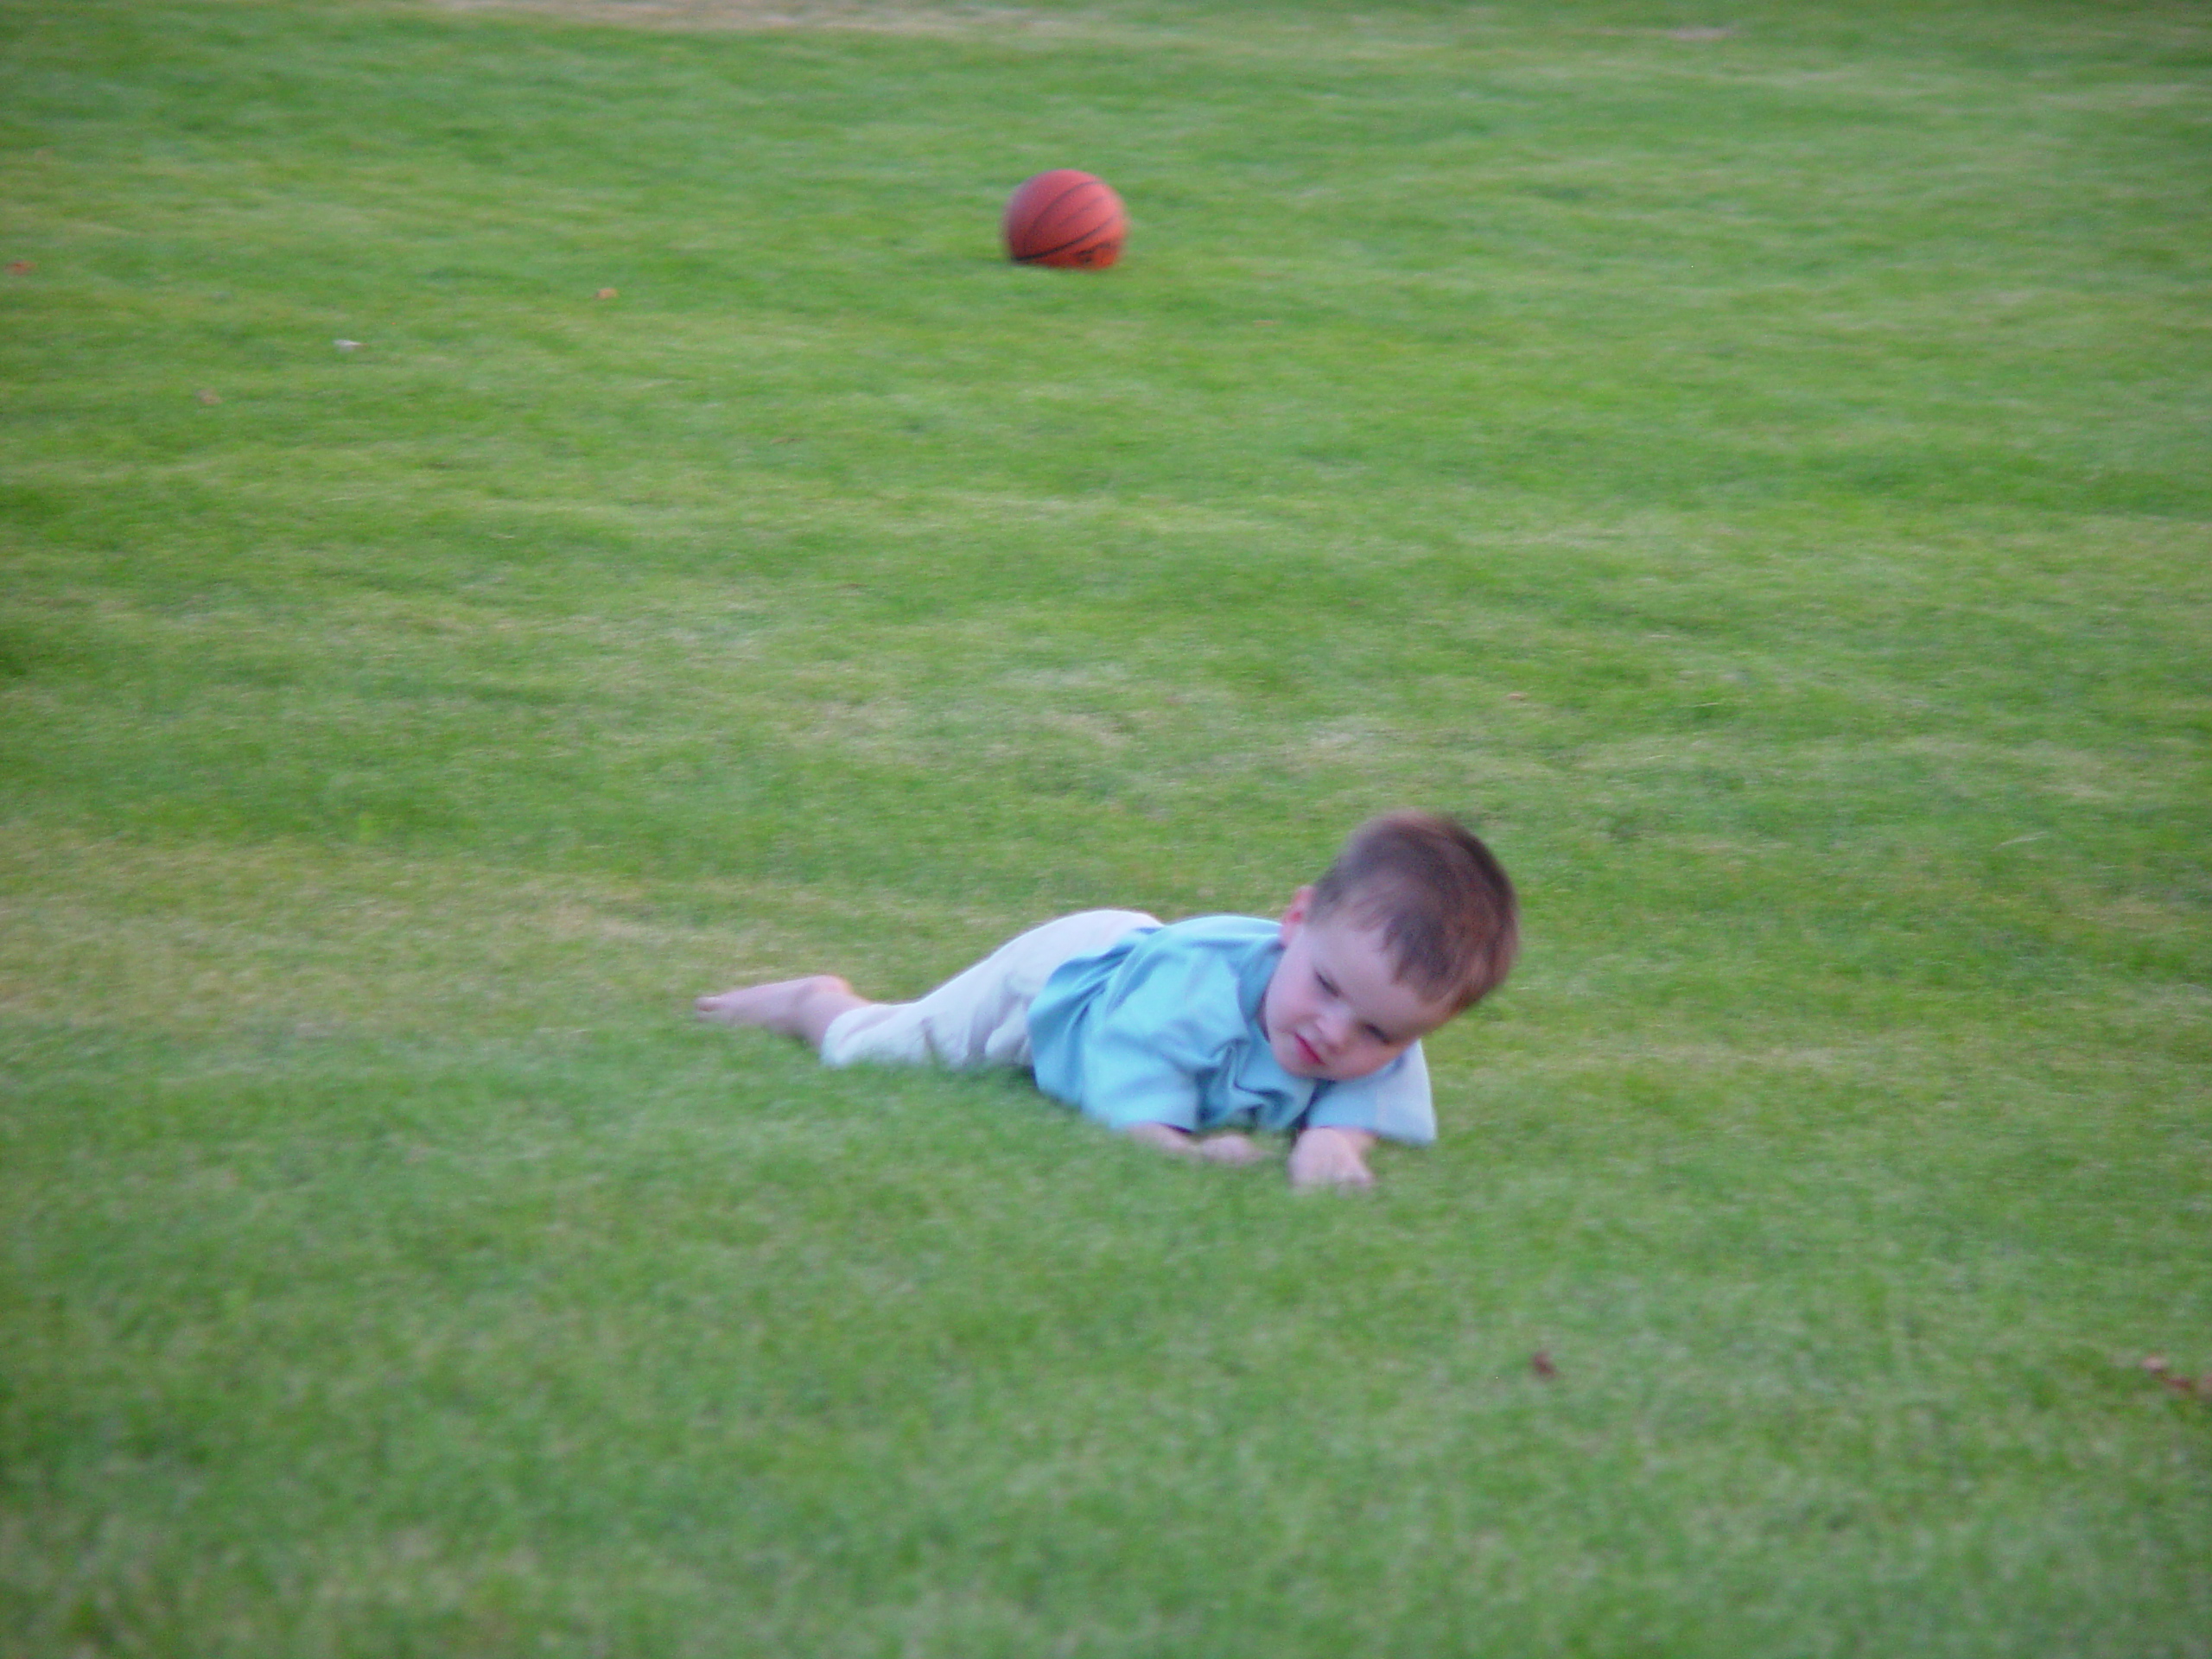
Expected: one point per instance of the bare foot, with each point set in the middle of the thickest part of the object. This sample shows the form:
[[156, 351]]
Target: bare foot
[[794, 1007]]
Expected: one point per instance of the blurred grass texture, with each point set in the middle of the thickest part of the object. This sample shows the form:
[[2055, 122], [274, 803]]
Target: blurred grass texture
[[1753, 463]]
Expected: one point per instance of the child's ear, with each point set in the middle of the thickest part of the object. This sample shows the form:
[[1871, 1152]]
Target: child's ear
[[1301, 902]]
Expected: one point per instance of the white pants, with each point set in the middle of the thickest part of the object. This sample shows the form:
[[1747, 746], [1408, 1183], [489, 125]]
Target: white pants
[[982, 1016]]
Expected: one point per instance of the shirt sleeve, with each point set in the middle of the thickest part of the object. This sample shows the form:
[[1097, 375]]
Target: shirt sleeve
[[1155, 1036], [1392, 1103]]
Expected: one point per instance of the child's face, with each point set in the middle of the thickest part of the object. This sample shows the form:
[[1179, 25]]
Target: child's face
[[1335, 1008]]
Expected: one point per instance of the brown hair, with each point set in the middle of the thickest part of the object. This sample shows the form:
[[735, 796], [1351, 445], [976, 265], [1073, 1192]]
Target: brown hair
[[1441, 901]]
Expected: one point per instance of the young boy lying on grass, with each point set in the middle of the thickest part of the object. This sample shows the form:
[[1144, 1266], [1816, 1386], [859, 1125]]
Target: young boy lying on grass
[[1183, 1035]]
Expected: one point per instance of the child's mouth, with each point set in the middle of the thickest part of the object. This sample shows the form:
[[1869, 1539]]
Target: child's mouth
[[1307, 1056]]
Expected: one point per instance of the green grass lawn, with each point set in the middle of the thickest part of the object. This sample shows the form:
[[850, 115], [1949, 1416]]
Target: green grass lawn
[[1754, 462]]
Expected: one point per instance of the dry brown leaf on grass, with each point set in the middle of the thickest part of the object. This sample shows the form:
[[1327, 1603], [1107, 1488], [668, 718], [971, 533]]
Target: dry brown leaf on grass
[[2177, 1382]]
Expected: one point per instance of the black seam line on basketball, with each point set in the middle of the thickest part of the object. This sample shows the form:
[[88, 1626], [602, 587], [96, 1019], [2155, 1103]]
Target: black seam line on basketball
[[1062, 197], [1074, 241], [1037, 218]]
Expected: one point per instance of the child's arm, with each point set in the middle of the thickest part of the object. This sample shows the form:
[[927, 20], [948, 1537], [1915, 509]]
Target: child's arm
[[1327, 1157], [1220, 1148], [1319, 1157]]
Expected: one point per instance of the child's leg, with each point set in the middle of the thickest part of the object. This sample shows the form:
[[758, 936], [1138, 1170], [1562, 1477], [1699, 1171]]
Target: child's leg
[[804, 1009], [979, 1017]]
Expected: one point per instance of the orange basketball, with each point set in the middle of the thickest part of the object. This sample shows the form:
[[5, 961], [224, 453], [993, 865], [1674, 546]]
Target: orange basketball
[[1066, 218]]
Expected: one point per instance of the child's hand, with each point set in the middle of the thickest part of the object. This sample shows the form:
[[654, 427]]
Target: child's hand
[[1330, 1158], [1216, 1149], [1230, 1148]]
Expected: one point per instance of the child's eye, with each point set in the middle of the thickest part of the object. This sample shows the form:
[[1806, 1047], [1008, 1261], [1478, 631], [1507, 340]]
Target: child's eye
[[1382, 1037], [1322, 980]]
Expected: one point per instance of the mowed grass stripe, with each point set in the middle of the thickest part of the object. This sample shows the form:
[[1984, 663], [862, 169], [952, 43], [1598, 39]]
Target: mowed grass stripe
[[1758, 474]]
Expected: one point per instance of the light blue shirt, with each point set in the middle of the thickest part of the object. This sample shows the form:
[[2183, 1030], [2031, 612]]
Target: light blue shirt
[[1163, 1027]]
